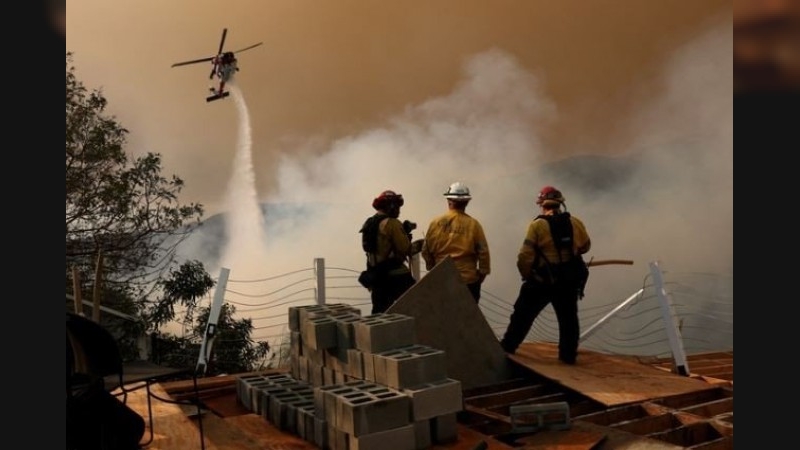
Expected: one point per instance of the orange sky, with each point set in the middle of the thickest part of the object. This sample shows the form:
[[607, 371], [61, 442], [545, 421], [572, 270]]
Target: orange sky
[[347, 98], [328, 69]]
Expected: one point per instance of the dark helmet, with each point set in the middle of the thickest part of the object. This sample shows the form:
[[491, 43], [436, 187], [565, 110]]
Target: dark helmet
[[550, 196], [387, 199]]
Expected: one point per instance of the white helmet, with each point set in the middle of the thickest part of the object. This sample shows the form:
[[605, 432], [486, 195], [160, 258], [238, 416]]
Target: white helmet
[[458, 191]]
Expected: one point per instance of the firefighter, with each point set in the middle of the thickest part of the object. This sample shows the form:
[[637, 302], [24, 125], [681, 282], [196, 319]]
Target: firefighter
[[554, 242], [388, 247], [460, 236]]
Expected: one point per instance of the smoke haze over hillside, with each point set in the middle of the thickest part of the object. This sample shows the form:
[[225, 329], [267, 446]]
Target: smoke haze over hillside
[[675, 207], [350, 98]]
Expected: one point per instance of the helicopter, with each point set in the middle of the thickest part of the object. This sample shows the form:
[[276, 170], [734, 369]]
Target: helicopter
[[224, 65]]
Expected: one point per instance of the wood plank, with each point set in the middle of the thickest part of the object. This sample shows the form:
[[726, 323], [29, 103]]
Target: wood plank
[[469, 439], [571, 439], [172, 428], [608, 379], [265, 435]]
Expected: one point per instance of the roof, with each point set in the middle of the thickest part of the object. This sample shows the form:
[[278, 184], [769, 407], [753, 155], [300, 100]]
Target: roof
[[527, 399], [698, 417]]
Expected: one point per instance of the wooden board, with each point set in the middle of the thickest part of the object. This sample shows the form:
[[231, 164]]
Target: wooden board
[[562, 440], [172, 428], [264, 434], [608, 379]]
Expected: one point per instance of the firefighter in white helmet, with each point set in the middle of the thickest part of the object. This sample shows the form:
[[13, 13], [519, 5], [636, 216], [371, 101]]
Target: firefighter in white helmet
[[460, 236]]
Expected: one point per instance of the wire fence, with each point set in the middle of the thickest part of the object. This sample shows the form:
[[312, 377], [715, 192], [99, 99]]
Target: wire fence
[[701, 305]]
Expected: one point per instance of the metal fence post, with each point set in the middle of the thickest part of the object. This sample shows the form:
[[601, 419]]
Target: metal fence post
[[673, 332], [319, 269]]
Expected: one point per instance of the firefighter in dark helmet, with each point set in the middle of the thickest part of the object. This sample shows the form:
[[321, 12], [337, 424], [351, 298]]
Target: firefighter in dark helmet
[[387, 244]]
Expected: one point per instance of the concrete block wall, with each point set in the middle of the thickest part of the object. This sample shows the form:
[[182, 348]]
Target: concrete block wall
[[358, 383]]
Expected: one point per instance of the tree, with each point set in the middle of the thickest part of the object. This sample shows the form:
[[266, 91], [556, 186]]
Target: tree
[[117, 207], [124, 223]]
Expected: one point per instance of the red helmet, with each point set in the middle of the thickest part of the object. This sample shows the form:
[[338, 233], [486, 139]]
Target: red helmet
[[387, 199], [549, 194]]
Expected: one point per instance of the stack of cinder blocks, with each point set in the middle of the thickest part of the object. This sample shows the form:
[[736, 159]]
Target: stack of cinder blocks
[[357, 383]]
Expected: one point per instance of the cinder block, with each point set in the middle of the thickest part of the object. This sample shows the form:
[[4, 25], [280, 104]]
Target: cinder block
[[369, 366], [444, 429], [297, 314], [400, 438], [409, 366], [363, 413], [296, 343], [534, 417], [305, 420], [337, 439], [304, 312], [280, 378], [243, 383], [325, 401], [265, 398], [314, 355], [294, 414], [380, 332], [345, 333], [319, 332], [422, 434], [342, 309], [336, 359], [320, 432], [327, 376], [278, 408], [355, 363], [315, 375], [435, 399], [256, 391], [302, 369]]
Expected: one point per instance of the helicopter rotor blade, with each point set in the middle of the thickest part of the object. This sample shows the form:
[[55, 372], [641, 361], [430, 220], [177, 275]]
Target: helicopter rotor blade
[[222, 41], [248, 48], [194, 61]]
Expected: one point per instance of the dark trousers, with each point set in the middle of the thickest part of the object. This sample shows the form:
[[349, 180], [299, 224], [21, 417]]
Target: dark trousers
[[475, 290], [388, 289], [532, 299]]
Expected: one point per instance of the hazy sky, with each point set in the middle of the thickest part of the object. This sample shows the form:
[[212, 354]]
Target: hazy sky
[[348, 98], [329, 69]]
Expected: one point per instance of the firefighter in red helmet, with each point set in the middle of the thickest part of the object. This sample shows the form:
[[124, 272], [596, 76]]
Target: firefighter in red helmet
[[387, 244], [553, 272]]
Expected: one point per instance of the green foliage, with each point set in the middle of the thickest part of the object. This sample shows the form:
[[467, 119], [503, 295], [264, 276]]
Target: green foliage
[[122, 209], [123, 224], [233, 349], [184, 287]]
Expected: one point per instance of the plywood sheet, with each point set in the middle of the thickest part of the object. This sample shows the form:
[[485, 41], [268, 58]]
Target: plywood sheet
[[562, 440], [608, 379], [172, 429]]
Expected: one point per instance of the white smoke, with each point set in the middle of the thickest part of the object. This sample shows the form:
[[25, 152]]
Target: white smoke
[[676, 208]]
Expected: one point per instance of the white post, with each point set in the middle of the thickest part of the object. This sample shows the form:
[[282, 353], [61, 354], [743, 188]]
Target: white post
[[602, 320], [673, 332], [213, 319], [319, 269]]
